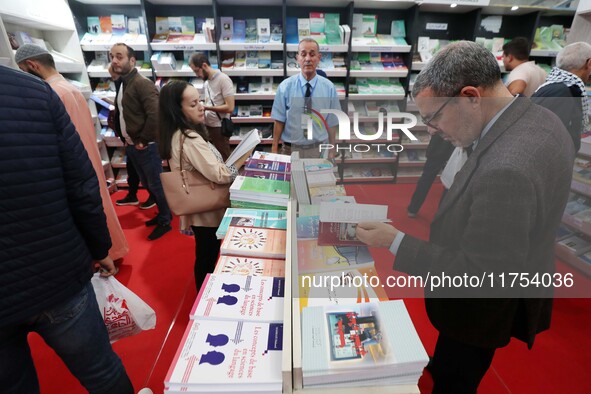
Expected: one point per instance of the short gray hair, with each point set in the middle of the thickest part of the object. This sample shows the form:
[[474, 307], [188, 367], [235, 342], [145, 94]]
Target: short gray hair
[[309, 40], [573, 56], [462, 63]]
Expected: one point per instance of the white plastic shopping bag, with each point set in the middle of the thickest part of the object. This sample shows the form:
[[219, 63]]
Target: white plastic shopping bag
[[124, 313]]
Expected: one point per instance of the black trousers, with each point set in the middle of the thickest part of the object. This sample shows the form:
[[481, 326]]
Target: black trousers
[[133, 179], [458, 368], [438, 153], [207, 249]]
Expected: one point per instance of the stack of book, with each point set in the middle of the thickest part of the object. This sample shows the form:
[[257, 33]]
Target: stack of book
[[227, 356], [234, 339], [319, 172], [239, 297], [258, 193], [268, 166], [366, 344]]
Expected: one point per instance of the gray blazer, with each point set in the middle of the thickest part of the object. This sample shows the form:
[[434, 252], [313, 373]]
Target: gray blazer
[[500, 216]]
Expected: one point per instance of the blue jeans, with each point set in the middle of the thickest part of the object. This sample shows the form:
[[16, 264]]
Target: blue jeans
[[76, 331], [148, 165]]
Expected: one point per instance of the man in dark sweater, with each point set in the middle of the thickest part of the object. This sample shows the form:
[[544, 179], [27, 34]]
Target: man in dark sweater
[[564, 90], [52, 229]]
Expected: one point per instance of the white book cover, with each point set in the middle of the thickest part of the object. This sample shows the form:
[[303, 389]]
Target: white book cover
[[255, 242], [251, 140], [303, 28], [238, 297], [340, 212], [227, 23], [359, 342], [263, 27], [258, 155], [334, 288], [216, 356], [357, 29], [250, 266]]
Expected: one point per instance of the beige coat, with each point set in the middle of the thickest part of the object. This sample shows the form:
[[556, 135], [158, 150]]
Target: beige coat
[[200, 155], [77, 108]]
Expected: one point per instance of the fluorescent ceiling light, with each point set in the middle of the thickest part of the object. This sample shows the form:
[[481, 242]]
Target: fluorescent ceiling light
[[514, 8]]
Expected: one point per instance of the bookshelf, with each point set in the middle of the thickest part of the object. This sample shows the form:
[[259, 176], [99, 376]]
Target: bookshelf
[[51, 23], [434, 19], [580, 31], [575, 218]]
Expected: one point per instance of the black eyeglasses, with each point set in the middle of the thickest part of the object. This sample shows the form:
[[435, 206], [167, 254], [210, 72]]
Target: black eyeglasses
[[427, 121]]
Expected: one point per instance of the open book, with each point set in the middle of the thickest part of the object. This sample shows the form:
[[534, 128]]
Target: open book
[[249, 141]]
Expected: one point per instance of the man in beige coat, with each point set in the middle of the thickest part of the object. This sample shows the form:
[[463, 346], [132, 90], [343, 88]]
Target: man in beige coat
[[37, 61]]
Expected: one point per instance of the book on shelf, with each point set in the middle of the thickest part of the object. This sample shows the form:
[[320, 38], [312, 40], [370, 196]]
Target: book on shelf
[[240, 297], [303, 28], [93, 25], [563, 232], [250, 266], [105, 22], [239, 30], [340, 287], [118, 24], [227, 24], [360, 343], [307, 227], [291, 30], [251, 218], [315, 258], [316, 22], [575, 244], [227, 356], [586, 257], [254, 242]]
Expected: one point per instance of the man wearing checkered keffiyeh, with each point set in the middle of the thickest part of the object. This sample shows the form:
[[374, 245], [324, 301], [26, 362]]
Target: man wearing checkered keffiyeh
[[564, 91]]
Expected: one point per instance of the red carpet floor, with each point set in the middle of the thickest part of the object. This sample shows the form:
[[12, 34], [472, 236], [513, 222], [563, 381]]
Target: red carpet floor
[[160, 272]]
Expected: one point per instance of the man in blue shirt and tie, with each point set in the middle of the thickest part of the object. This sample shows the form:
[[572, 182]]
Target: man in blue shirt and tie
[[298, 104]]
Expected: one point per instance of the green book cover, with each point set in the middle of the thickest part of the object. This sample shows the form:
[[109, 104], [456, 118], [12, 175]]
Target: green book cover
[[260, 186], [254, 205]]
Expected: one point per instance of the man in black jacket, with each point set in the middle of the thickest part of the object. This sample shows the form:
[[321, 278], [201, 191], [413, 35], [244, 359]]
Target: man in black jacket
[[52, 228], [564, 90]]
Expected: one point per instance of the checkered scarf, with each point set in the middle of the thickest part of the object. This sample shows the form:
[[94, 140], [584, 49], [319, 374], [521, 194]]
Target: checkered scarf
[[558, 75]]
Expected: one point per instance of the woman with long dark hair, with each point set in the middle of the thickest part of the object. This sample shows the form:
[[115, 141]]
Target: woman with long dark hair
[[181, 122]]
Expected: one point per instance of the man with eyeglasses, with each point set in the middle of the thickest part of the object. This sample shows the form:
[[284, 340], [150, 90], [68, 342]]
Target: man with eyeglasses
[[499, 216], [297, 105]]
